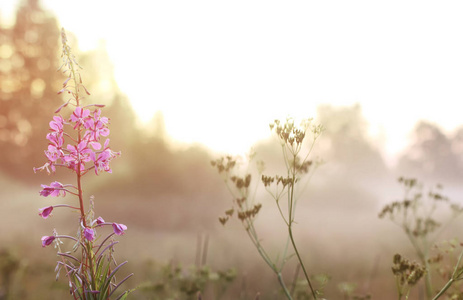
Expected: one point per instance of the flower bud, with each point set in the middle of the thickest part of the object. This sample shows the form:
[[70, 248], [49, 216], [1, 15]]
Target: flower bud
[[47, 240], [119, 228], [89, 234], [45, 212]]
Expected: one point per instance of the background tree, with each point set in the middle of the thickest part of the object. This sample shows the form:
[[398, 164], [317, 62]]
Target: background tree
[[432, 155], [29, 82], [346, 144]]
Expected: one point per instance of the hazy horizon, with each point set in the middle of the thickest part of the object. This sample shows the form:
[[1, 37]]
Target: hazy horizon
[[217, 69]]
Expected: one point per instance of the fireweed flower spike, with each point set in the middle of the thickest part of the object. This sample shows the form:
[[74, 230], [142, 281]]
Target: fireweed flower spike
[[74, 143]]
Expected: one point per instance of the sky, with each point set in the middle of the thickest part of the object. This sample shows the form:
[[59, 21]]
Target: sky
[[221, 71]]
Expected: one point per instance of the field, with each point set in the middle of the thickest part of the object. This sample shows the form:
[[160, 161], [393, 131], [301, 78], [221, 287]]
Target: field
[[320, 208], [337, 228]]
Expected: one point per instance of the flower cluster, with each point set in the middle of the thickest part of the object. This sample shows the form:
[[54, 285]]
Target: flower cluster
[[83, 154], [290, 133], [407, 272], [80, 155], [76, 143]]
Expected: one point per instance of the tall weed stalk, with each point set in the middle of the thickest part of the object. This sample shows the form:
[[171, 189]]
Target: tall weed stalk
[[282, 189]]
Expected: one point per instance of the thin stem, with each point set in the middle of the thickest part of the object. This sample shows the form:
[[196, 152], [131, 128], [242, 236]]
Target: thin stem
[[423, 255], [444, 289], [72, 238], [310, 151], [301, 263], [284, 253], [79, 188], [281, 213], [92, 271], [73, 75], [399, 288], [63, 260], [428, 280], [253, 236], [90, 255], [291, 220], [452, 279], [296, 275], [282, 284], [259, 247]]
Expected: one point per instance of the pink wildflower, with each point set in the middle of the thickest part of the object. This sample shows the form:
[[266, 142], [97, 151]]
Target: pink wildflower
[[95, 145], [56, 136], [54, 190], [57, 124], [119, 228], [80, 152], [79, 116], [47, 240], [55, 139], [102, 162], [96, 126], [99, 221], [89, 234], [53, 153], [45, 212]]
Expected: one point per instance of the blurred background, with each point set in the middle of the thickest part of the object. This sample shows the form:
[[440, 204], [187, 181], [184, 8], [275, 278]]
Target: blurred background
[[184, 83]]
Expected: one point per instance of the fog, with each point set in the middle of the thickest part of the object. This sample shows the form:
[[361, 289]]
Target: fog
[[171, 197]]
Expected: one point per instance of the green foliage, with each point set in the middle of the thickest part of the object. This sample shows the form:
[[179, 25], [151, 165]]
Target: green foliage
[[177, 282], [10, 265], [348, 291], [97, 281]]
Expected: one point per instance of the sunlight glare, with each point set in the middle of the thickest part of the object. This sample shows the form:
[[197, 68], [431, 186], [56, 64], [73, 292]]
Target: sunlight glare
[[220, 72]]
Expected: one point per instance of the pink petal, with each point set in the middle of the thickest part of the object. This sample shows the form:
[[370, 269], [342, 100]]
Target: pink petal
[[119, 228], [95, 145], [45, 212], [99, 220], [89, 234], [47, 240]]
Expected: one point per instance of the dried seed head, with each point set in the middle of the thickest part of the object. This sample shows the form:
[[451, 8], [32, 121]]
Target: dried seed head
[[230, 212], [267, 180], [409, 273], [224, 164], [223, 220]]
